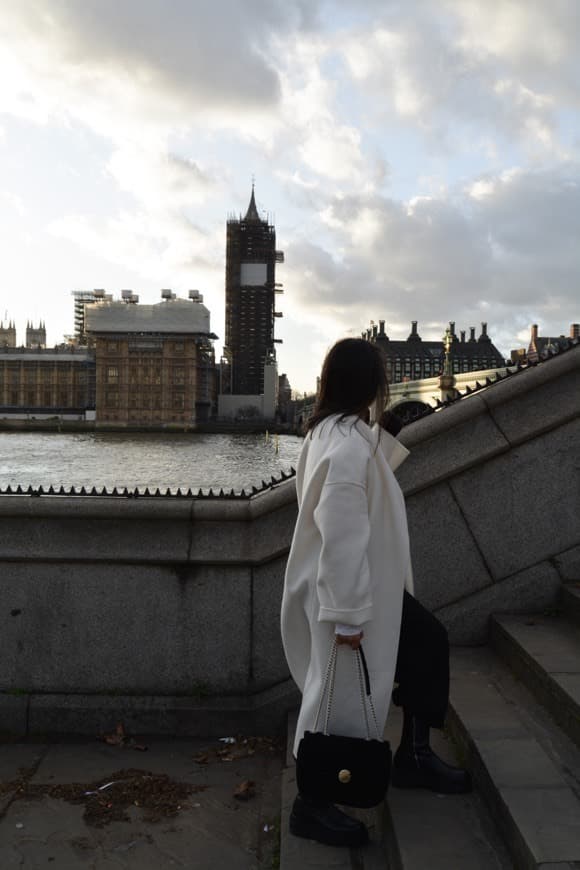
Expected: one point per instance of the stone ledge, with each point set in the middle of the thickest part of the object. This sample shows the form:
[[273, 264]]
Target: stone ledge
[[525, 381], [90, 715], [443, 444], [150, 507]]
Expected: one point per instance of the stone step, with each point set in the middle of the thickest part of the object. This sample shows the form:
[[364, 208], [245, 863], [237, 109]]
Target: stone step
[[570, 602], [544, 652], [528, 781], [439, 832]]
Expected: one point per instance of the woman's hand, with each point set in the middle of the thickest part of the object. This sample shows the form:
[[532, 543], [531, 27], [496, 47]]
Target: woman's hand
[[353, 640]]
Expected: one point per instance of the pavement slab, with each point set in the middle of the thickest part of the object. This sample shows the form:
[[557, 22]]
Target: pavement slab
[[211, 830]]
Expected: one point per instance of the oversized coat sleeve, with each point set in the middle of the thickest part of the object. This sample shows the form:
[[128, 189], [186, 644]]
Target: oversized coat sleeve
[[343, 581]]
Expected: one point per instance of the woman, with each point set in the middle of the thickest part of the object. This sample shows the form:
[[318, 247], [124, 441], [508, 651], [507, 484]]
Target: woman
[[349, 575]]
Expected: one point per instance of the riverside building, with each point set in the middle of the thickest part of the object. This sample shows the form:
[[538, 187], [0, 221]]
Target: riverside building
[[415, 359], [155, 364], [39, 383], [540, 344], [248, 371]]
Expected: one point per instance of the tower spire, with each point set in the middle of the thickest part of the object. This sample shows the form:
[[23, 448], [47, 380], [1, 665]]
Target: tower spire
[[252, 212]]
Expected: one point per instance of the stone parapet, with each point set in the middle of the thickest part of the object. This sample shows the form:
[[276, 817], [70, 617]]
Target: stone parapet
[[178, 598]]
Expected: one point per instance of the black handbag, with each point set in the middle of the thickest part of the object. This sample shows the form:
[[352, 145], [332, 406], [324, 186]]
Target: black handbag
[[352, 771]]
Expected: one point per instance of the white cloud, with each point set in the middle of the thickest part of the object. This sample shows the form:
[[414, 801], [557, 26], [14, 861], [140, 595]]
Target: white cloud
[[503, 250], [439, 99]]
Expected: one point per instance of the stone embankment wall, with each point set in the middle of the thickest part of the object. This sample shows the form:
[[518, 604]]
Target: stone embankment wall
[[493, 497], [164, 613]]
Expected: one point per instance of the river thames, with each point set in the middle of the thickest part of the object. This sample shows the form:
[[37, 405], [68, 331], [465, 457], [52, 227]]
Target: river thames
[[142, 460]]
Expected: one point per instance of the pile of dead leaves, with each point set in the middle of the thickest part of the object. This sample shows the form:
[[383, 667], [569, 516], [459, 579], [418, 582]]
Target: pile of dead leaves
[[108, 800], [234, 748]]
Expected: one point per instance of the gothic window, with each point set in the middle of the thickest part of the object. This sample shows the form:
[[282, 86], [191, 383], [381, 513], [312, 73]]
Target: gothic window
[[112, 375]]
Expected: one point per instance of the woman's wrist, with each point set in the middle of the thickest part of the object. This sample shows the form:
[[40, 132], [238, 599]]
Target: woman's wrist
[[347, 630]]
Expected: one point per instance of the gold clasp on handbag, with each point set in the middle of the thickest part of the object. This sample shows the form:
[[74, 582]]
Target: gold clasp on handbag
[[344, 776]]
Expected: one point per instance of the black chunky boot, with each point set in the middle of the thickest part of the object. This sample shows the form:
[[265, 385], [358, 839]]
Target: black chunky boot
[[322, 821], [415, 765]]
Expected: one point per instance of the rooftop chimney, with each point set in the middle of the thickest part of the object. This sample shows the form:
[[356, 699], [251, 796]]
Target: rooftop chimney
[[414, 336], [472, 333], [575, 330], [382, 327], [462, 333], [534, 332]]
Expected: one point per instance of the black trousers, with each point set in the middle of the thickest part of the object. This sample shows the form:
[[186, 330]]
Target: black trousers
[[422, 672]]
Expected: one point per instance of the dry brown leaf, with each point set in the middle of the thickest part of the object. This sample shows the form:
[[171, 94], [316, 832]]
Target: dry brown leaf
[[245, 790]]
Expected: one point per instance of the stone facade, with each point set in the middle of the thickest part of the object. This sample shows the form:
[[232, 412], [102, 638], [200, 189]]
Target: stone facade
[[46, 381], [154, 363], [416, 358]]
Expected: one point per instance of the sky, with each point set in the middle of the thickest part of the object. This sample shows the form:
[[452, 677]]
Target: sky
[[419, 159]]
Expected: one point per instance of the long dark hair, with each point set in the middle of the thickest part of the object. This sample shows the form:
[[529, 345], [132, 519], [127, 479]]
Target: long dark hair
[[353, 377]]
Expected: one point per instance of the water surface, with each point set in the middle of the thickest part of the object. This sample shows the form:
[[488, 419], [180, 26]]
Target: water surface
[[188, 460]]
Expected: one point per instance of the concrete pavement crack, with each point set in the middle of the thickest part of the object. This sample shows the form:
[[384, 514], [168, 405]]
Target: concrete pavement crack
[[30, 772]]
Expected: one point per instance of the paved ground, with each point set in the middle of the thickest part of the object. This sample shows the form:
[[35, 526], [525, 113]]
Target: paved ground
[[173, 805]]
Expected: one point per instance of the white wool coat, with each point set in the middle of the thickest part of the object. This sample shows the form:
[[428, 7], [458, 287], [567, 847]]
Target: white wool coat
[[349, 563]]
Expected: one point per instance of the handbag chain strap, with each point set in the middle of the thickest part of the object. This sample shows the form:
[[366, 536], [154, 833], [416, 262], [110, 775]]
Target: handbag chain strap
[[364, 686]]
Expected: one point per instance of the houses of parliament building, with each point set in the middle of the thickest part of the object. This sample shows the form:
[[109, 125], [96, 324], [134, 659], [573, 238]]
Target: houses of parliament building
[[415, 358]]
